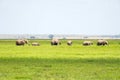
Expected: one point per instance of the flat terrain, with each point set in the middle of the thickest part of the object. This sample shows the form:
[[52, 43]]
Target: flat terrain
[[62, 62]]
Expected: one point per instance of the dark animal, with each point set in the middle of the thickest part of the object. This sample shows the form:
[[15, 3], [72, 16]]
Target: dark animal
[[87, 43], [21, 42], [102, 42], [69, 42], [35, 44], [55, 42]]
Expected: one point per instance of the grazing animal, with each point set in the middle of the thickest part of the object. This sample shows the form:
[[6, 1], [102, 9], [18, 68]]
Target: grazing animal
[[35, 44], [102, 42], [69, 42], [55, 42], [87, 43], [21, 42]]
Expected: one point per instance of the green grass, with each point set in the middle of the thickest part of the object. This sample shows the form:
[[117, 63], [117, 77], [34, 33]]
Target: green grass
[[46, 62]]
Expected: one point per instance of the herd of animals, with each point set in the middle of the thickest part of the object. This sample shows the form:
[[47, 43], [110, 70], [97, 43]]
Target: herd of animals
[[100, 42]]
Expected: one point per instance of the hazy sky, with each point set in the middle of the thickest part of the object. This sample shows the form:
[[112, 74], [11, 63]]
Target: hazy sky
[[89, 17]]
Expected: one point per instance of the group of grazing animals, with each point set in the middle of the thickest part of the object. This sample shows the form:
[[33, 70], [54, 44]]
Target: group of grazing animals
[[100, 42], [22, 42], [57, 42]]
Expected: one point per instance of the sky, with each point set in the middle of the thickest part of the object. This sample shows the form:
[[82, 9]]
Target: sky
[[88, 17]]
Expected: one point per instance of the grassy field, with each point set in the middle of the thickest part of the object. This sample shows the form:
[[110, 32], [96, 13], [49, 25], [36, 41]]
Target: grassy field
[[46, 62]]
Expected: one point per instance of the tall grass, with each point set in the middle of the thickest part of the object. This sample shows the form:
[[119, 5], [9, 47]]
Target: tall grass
[[46, 62]]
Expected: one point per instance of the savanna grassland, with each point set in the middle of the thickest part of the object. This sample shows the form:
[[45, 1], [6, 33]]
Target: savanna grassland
[[62, 62]]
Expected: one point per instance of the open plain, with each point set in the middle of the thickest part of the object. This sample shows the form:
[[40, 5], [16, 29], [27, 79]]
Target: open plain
[[61, 62]]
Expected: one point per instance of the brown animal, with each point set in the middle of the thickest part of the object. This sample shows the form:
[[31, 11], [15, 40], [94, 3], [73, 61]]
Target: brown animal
[[87, 43], [102, 42], [35, 44], [21, 42], [55, 42], [69, 42]]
